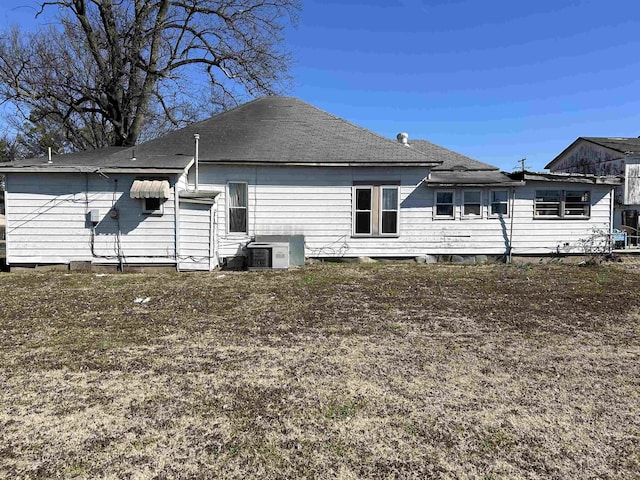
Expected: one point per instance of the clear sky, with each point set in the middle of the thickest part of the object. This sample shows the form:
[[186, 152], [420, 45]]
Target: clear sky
[[495, 80]]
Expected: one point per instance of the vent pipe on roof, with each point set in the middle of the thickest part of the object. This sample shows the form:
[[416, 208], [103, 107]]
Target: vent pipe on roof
[[403, 138], [197, 138], [50, 159]]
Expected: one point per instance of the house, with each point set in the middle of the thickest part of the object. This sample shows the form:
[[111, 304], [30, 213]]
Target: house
[[607, 156], [281, 169]]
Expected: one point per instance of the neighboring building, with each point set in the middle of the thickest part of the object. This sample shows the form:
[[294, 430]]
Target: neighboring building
[[607, 156], [279, 168], [2, 218]]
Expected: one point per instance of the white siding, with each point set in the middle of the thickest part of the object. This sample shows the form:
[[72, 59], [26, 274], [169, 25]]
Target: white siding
[[47, 221], [316, 203], [196, 237], [545, 236]]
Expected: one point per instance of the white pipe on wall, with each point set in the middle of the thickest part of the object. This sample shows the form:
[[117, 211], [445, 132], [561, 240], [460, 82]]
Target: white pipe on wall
[[197, 138]]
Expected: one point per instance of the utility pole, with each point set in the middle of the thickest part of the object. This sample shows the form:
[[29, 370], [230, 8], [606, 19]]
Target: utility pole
[[522, 164]]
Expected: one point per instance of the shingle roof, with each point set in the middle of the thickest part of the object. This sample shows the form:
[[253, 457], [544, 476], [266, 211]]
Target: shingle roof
[[469, 178], [269, 130], [624, 145], [283, 130], [451, 160], [108, 158]]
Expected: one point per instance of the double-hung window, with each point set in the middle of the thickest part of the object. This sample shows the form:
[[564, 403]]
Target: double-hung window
[[499, 203], [444, 206], [472, 203], [562, 203], [577, 203], [376, 210], [237, 207]]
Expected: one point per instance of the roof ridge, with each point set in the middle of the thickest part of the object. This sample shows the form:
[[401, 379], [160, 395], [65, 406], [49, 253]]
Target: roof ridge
[[347, 122]]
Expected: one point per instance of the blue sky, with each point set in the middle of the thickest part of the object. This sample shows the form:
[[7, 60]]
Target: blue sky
[[494, 80]]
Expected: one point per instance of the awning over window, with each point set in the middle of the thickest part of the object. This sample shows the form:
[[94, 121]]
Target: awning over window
[[150, 189]]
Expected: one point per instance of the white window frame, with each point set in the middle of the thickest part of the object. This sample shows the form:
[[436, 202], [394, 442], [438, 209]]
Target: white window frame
[[562, 204], [453, 205], [465, 203], [153, 211], [584, 203], [356, 210], [506, 202], [382, 188], [228, 208], [376, 209]]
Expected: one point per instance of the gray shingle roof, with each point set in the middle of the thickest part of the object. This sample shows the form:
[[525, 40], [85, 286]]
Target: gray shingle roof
[[451, 160], [624, 145], [109, 158], [469, 178], [283, 130], [269, 130]]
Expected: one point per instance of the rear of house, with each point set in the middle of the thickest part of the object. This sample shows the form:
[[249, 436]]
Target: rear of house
[[279, 168]]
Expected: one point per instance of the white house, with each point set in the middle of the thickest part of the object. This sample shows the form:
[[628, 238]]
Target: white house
[[279, 168]]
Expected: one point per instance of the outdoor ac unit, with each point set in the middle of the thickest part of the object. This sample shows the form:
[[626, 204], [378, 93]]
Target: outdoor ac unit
[[268, 255]]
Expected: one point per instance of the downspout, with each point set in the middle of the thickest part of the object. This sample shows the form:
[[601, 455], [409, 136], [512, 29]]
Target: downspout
[[513, 202], [611, 214], [176, 221], [5, 192], [196, 158]]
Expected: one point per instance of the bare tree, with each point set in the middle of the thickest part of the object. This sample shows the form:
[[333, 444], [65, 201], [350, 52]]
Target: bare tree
[[112, 71]]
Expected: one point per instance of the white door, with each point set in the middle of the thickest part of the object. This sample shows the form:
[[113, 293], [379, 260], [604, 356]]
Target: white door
[[196, 230]]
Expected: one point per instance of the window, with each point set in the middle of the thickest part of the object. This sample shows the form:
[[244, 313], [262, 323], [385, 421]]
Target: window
[[472, 203], [389, 217], [363, 213], [152, 206], [237, 201], [577, 203], [499, 205], [548, 203], [444, 204], [376, 210], [562, 203]]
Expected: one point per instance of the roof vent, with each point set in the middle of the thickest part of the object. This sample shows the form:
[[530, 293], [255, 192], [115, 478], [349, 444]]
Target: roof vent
[[403, 138]]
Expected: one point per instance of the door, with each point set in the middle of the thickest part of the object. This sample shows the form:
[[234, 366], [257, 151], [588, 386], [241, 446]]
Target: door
[[196, 237]]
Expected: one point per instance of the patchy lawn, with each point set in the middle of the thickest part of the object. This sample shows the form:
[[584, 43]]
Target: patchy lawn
[[330, 371]]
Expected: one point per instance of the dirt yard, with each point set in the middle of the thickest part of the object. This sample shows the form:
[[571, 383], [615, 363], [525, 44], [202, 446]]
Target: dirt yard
[[383, 370]]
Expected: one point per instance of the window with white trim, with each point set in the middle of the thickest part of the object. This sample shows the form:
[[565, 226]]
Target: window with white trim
[[472, 203], [237, 207], [499, 203], [562, 203], [153, 206], [444, 206], [577, 203], [376, 210]]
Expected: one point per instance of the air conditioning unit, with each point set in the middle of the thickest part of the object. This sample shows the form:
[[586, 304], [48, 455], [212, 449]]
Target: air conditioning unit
[[268, 255]]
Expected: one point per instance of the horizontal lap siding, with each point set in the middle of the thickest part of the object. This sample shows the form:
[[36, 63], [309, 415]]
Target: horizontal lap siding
[[533, 235], [317, 203], [195, 235], [48, 221]]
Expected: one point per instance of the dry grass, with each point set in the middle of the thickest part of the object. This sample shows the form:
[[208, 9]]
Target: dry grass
[[330, 371]]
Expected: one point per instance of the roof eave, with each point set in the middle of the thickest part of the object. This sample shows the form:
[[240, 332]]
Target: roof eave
[[84, 169], [429, 183], [569, 178], [320, 164]]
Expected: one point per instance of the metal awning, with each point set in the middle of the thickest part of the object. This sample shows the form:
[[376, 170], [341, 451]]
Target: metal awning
[[150, 189]]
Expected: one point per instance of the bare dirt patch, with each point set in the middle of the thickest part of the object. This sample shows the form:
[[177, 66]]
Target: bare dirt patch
[[329, 371]]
